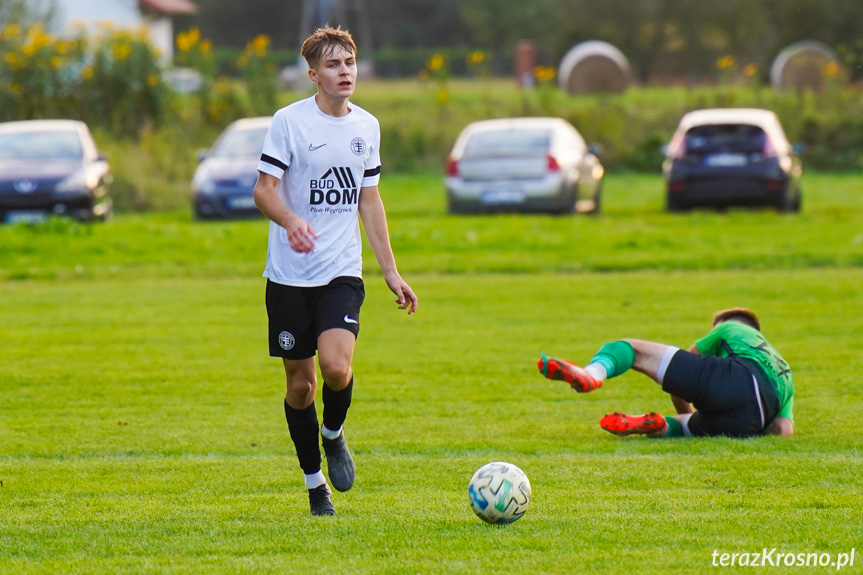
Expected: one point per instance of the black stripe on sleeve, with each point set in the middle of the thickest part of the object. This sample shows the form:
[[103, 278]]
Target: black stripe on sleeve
[[372, 172], [272, 161]]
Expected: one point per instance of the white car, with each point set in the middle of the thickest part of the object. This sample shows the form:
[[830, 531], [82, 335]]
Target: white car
[[523, 164]]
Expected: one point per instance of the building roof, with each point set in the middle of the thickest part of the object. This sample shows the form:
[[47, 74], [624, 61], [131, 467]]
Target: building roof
[[170, 6]]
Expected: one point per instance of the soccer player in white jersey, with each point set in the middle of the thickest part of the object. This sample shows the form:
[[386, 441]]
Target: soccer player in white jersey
[[318, 174]]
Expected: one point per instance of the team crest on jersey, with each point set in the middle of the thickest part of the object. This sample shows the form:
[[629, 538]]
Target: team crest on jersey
[[358, 146]]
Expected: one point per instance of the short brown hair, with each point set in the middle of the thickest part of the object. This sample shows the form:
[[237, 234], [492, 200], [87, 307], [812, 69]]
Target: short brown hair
[[324, 41], [738, 314]]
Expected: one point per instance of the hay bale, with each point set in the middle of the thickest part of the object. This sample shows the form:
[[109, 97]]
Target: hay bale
[[592, 67], [804, 65]]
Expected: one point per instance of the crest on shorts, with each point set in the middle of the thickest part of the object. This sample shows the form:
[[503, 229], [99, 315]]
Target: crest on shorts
[[286, 340], [358, 146]]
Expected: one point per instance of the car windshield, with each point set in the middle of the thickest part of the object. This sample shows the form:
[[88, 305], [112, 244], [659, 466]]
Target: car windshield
[[725, 138], [40, 145], [240, 142], [508, 143]]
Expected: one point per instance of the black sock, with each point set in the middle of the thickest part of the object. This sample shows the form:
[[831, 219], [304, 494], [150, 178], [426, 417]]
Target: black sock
[[336, 404], [303, 426]]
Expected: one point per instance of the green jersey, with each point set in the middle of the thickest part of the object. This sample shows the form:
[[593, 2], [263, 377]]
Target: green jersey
[[731, 338]]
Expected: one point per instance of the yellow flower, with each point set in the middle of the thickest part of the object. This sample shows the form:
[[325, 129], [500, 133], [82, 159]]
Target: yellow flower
[[36, 39], [11, 31], [442, 96], [153, 80], [12, 59], [544, 73], [187, 40], [476, 57], [87, 73], [55, 62], [205, 46], [726, 63], [750, 70], [122, 51], [831, 69], [259, 44], [435, 63], [15, 88]]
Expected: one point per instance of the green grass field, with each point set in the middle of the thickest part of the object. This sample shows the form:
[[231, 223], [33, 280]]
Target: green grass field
[[141, 426]]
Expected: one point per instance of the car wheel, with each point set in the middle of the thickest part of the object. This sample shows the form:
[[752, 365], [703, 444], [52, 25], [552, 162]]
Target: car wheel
[[456, 208], [597, 202], [568, 203], [674, 205], [787, 204]]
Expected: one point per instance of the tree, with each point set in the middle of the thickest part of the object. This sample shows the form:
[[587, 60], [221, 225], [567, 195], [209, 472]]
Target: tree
[[500, 24], [25, 12]]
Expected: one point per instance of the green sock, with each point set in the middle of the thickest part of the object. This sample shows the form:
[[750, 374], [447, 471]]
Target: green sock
[[675, 429], [616, 357]]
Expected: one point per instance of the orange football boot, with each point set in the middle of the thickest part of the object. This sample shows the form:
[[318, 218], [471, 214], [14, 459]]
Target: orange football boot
[[562, 370], [622, 424]]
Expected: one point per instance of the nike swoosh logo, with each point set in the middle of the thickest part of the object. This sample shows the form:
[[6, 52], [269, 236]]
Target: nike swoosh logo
[[313, 148], [347, 319]]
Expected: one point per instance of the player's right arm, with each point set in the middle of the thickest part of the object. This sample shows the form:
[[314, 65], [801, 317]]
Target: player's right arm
[[781, 426], [300, 234]]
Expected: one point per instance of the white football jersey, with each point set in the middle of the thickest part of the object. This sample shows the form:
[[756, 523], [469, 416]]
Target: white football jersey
[[322, 162]]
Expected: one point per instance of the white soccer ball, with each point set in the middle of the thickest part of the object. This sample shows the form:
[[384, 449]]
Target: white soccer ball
[[499, 492]]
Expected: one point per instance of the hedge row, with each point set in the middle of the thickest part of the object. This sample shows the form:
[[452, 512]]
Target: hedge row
[[419, 126]]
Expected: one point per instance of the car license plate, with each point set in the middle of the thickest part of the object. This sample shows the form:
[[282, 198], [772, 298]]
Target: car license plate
[[25, 216], [502, 197], [241, 203], [725, 160]]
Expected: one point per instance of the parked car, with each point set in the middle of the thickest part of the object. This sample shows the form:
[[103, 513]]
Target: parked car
[[51, 167], [523, 164], [224, 183], [731, 157]]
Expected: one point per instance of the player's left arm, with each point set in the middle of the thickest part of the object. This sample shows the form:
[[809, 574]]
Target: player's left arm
[[374, 217]]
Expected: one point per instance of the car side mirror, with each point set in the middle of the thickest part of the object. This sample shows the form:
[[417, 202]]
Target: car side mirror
[[202, 154], [799, 148], [595, 149]]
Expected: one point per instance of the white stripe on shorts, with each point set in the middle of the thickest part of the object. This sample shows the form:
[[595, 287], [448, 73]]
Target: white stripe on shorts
[[663, 363], [758, 399]]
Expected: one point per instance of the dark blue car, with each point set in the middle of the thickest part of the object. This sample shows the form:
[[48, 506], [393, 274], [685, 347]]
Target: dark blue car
[[51, 167], [731, 157], [224, 183]]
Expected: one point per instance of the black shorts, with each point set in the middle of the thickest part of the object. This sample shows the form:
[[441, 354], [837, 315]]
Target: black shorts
[[298, 315], [732, 395]]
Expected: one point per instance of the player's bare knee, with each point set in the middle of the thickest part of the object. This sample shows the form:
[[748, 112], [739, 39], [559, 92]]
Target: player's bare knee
[[299, 387], [336, 374]]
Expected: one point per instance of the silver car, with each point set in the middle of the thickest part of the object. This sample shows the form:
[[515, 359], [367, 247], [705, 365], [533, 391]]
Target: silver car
[[523, 164]]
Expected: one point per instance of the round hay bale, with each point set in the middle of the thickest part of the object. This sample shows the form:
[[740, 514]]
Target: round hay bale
[[592, 67], [804, 65]]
